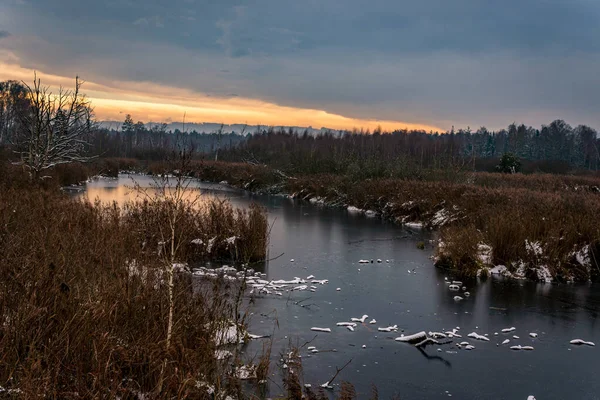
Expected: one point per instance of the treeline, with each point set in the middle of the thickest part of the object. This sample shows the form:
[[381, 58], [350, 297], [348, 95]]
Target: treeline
[[137, 140], [556, 148], [131, 139]]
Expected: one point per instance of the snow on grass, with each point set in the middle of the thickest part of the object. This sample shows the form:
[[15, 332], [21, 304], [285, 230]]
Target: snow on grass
[[354, 210], [414, 225]]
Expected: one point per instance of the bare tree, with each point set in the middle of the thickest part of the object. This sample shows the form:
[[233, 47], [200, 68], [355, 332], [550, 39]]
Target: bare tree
[[54, 128]]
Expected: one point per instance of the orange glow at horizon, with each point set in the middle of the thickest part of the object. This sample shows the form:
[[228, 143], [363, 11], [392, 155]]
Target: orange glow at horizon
[[150, 102]]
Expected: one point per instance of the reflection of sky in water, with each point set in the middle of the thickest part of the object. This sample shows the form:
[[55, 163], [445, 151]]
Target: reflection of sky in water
[[328, 243]]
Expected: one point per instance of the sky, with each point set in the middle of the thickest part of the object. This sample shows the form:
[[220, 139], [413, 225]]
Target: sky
[[429, 64]]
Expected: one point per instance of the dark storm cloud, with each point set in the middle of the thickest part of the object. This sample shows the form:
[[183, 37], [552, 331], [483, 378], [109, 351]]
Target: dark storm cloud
[[438, 61]]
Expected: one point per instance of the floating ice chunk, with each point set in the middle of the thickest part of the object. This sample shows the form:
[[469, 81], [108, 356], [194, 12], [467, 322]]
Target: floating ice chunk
[[580, 342], [533, 335], [467, 294], [364, 346], [251, 336], [464, 343], [350, 328], [508, 330], [387, 261], [326, 385], [454, 287], [352, 324], [314, 351], [458, 283], [338, 289], [458, 298], [476, 336], [352, 209], [469, 347], [437, 335], [379, 260], [320, 329], [361, 320], [516, 337], [308, 278], [363, 261], [301, 287], [506, 341], [453, 334], [393, 328], [370, 213], [292, 260], [372, 322], [530, 397], [414, 338], [320, 282], [519, 347], [310, 348]]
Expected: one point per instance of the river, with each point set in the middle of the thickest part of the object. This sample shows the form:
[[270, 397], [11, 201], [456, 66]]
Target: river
[[410, 292]]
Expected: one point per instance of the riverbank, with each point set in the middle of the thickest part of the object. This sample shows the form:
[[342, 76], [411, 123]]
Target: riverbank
[[539, 227]]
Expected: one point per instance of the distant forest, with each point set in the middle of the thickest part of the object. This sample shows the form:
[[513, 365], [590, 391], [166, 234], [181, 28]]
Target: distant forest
[[556, 147]]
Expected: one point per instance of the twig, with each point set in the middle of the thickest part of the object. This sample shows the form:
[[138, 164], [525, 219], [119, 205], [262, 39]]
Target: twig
[[338, 370]]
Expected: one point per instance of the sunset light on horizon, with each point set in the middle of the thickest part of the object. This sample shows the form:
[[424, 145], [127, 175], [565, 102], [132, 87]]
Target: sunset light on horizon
[[149, 102]]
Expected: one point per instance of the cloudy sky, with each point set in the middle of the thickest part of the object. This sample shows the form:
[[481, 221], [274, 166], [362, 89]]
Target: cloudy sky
[[335, 63]]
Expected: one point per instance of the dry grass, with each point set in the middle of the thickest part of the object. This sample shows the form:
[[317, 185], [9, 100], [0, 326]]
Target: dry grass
[[83, 302]]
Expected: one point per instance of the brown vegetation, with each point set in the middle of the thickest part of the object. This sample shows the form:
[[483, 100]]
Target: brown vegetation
[[83, 298]]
